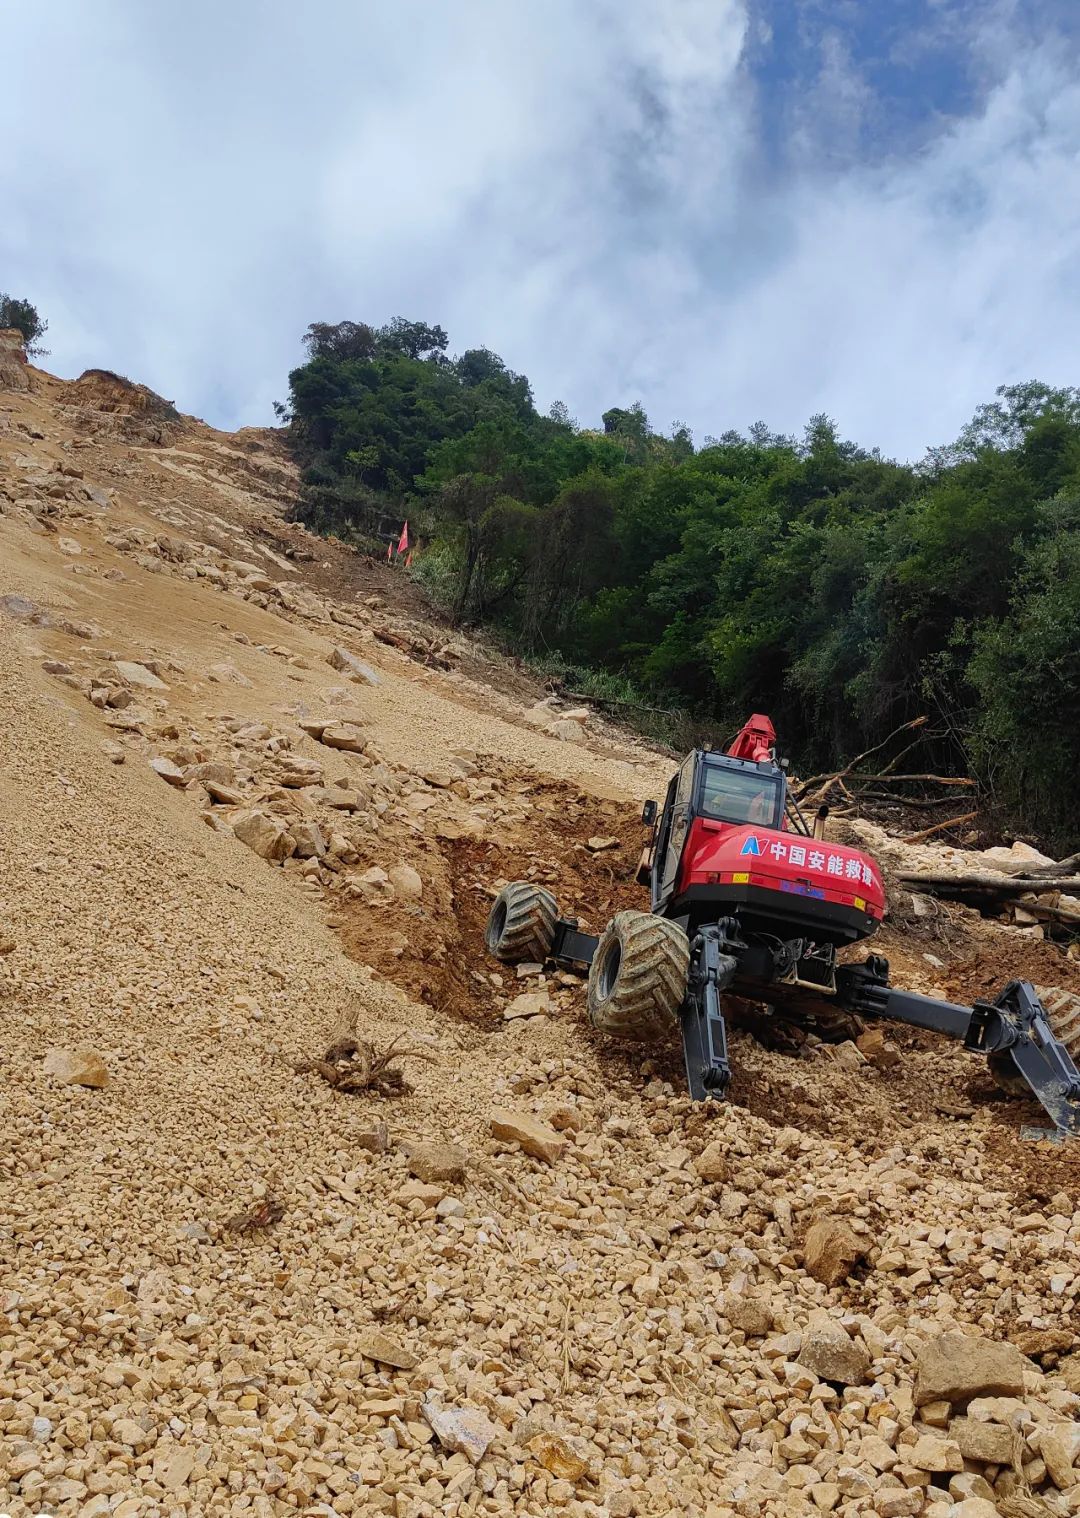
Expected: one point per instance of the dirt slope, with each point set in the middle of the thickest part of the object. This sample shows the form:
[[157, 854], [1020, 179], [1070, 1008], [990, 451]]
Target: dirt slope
[[227, 1286]]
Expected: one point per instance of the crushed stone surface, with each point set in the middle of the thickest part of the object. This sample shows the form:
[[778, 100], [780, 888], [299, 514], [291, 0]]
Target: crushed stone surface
[[256, 802]]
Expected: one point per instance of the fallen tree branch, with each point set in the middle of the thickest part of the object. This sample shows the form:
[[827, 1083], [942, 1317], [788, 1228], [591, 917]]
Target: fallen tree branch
[[964, 780], [1056, 867], [939, 827], [987, 885], [580, 695], [830, 780]]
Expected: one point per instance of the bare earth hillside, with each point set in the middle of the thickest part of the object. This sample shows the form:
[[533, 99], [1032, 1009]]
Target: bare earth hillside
[[255, 803]]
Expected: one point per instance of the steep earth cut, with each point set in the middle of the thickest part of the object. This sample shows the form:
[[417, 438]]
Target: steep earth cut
[[256, 801]]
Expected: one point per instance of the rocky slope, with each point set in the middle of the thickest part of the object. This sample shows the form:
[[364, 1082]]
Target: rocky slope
[[256, 805]]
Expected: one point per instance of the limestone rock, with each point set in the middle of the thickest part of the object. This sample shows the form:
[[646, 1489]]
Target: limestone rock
[[712, 1163], [556, 1456], [833, 1355], [991, 1443], [375, 1345], [309, 840], [937, 1455], [170, 772], [77, 1067], [956, 1367], [749, 1312], [349, 664], [535, 1137], [601, 843], [569, 732], [406, 882], [343, 735], [463, 1430], [438, 1162], [1059, 1448], [266, 836], [138, 674], [528, 1004], [173, 1466], [831, 1251]]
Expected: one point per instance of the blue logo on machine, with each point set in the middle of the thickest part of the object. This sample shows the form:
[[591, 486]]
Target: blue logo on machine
[[750, 846]]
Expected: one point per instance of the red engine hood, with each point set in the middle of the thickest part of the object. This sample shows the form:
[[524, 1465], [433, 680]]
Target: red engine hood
[[720, 853]]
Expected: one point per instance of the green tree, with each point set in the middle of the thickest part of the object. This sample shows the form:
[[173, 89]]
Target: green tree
[[21, 316]]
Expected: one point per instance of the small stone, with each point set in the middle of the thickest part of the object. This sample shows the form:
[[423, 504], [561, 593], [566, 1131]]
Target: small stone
[[463, 1430], [266, 836], [349, 664], [345, 736], [168, 771], [528, 1004], [127, 1431], [1059, 1447], [557, 1457], [535, 1137], [833, 1355], [598, 845], [712, 1163], [748, 1312], [975, 1507], [309, 840], [406, 882], [375, 1345], [77, 1067], [376, 1140], [875, 1047], [112, 751], [831, 1251], [956, 1367], [173, 1467], [138, 674], [438, 1162], [991, 1443], [936, 1455], [56, 667]]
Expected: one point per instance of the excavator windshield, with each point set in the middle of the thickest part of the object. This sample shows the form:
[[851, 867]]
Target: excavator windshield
[[730, 794]]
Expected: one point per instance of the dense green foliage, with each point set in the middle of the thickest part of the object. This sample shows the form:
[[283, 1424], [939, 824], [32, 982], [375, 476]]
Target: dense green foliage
[[21, 316], [839, 591]]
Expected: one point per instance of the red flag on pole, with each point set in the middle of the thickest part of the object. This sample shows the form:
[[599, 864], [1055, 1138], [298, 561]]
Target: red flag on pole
[[408, 559], [403, 541]]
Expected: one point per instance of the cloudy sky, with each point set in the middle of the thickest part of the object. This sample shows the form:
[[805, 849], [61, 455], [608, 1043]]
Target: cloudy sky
[[728, 209]]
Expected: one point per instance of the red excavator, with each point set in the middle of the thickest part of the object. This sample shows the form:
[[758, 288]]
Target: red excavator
[[749, 901]]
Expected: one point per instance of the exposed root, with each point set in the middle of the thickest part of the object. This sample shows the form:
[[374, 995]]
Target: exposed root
[[269, 1210], [353, 1064]]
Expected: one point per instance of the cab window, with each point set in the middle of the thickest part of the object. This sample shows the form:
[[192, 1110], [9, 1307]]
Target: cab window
[[730, 795]]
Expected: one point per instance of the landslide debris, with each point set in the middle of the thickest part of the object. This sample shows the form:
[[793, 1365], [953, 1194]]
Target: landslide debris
[[538, 1282]]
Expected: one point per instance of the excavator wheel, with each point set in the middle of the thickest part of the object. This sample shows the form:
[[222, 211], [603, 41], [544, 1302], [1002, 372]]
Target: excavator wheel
[[521, 923], [637, 981], [1062, 1010]]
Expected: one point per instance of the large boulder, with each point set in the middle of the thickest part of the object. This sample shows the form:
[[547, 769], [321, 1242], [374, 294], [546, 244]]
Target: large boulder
[[833, 1355], [831, 1250], [266, 836], [955, 1367], [77, 1067]]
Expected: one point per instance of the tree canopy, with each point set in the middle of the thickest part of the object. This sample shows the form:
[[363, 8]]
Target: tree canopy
[[21, 316], [808, 577]]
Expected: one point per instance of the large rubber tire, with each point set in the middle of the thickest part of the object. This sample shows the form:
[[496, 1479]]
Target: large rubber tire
[[1062, 1010], [521, 924], [637, 981]]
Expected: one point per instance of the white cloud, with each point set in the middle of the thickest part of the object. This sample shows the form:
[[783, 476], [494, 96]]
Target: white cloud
[[575, 183]]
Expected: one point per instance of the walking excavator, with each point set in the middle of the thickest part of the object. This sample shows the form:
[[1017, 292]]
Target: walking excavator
[[750, 901]]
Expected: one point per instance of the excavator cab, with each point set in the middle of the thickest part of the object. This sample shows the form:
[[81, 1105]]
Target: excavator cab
[[723, 791]]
